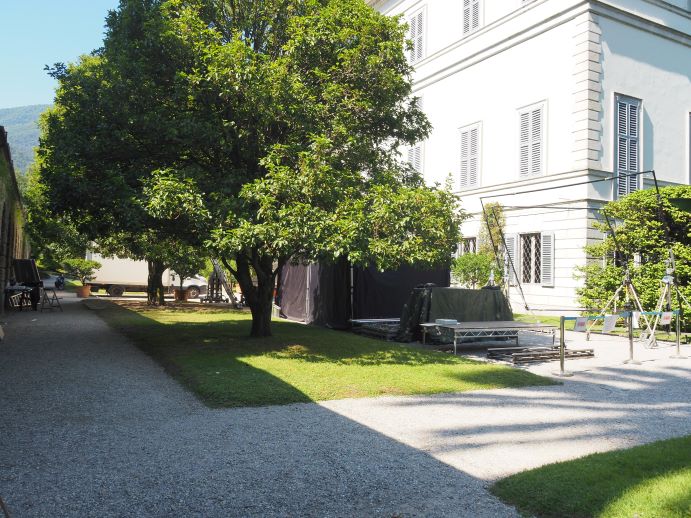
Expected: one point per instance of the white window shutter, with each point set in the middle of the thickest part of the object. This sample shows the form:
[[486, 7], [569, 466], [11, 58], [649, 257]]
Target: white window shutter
[[547, 258], [511, 260], [471, 15], [466, 16], [627, 143], [417, 36], [474, 152], [465, 158], [415, 158], [469, 156], [531, 142], [525, 145], [536, 141], [475, 22]]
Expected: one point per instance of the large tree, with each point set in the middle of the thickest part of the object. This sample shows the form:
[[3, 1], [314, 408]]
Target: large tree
[[269, 130]]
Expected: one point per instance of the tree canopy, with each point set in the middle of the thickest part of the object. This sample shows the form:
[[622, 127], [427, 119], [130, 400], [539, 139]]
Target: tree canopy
[[645, 229], [264, 131]]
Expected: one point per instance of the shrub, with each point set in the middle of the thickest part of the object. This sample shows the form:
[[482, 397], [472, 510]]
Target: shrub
[[473, 270], [82, 269]]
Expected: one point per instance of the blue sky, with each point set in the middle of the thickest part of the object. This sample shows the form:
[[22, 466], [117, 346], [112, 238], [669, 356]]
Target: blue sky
[[34, 33]]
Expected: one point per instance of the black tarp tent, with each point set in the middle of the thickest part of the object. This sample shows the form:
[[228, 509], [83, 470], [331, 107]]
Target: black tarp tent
[[320, 293], [429, 304]]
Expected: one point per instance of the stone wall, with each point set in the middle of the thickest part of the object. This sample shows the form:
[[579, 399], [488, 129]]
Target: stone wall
[[13, 242]]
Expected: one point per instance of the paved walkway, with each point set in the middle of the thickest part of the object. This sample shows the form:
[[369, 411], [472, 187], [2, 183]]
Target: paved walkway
[[92, 427]]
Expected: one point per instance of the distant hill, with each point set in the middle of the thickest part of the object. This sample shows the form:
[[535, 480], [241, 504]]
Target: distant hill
[[21, 124]]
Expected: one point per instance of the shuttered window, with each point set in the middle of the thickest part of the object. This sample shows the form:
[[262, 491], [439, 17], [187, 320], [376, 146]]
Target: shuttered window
[[416, 29], [415, 157], [533, 258], [627, 143], [471, 15], [469, 143], [547, 258], [531, 141]]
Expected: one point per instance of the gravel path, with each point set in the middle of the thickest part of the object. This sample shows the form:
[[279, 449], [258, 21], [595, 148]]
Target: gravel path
[[92, 427]]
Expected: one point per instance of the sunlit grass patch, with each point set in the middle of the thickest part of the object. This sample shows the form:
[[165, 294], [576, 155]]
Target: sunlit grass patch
[[650, 481]]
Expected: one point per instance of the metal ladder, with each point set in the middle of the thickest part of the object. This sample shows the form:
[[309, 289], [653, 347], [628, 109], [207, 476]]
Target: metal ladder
[[224, 281]]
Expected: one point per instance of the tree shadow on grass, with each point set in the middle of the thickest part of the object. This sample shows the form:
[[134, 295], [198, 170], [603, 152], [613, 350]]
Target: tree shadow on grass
[[221, 364], [290, 341]]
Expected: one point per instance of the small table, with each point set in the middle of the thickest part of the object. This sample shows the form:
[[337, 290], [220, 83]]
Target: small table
[[500, 328]]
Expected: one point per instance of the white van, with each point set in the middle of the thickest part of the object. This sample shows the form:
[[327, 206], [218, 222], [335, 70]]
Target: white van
[[117, 276]]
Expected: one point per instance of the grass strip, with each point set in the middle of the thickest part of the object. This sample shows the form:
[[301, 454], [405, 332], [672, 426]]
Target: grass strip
[[209, 351], [649, 481]]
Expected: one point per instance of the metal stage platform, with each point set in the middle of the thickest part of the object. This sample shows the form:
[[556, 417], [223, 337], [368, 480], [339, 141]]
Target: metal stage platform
[[498, 329]]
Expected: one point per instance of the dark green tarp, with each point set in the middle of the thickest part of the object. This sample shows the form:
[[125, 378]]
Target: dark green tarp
[[429, 304]]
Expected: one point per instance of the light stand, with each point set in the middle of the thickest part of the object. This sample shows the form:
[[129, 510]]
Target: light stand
[[632, 299], [669, 285]]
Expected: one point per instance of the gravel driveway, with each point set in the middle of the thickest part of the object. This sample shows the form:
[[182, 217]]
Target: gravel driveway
[[92, 427]]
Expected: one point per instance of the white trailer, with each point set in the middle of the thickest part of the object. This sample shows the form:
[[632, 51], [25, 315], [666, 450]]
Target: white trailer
[[118, 275]]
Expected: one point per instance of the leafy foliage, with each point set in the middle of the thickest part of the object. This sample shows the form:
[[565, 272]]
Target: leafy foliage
[[473, 270], [54, 238], [82, 269], [264, 131], [642, 227], [492, 228]]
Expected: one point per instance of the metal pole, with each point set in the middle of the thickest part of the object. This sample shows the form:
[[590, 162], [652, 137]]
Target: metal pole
[[562, 351], [678, 354], [631, 360]]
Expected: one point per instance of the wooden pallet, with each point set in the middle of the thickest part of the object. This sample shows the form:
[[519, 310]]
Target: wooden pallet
[[536, 354]]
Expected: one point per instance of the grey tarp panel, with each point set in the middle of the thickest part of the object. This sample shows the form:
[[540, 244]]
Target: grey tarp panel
[[316, 293], [292, 291], [429, 304]]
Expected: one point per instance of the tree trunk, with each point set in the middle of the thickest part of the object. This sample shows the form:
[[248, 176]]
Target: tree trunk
[[261, 312], [154, 288], [259, 298]]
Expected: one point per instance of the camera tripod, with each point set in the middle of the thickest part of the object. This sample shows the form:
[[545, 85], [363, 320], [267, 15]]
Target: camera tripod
[[647, 336], [669, 285]]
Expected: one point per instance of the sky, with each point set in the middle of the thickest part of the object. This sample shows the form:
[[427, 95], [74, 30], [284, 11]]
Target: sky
[[35, 33]]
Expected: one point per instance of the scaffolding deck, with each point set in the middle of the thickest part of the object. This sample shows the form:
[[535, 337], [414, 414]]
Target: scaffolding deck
[[497, 329]]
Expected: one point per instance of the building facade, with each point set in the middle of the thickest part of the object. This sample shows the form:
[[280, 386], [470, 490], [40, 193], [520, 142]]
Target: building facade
[[13, 244], [545, 96]]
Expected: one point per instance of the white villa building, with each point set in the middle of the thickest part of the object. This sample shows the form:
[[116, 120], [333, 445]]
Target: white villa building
[[531, 94]]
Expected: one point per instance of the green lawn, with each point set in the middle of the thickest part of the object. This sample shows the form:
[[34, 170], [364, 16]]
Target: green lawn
[[660, 334], [209, 351], [650, 481], [543, 319]]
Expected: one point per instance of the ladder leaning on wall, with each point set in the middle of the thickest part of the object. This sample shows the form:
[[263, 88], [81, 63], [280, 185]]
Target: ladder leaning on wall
[[218, 270]]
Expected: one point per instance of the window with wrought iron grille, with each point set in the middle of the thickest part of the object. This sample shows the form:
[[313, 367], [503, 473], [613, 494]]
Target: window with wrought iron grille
[[468, 246], [531, 258]]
